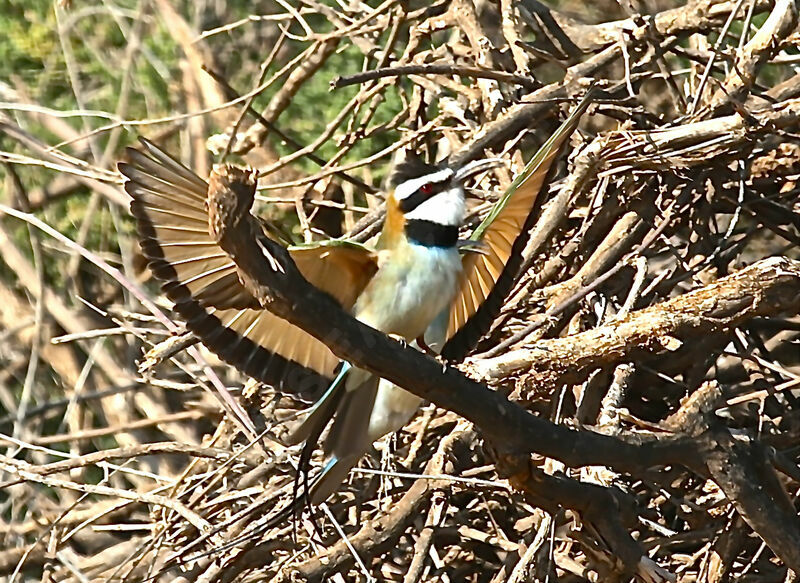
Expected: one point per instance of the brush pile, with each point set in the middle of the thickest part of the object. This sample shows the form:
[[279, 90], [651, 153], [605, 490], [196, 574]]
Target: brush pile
[[654, 332]]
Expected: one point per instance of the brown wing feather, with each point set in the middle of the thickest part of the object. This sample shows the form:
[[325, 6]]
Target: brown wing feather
[[487, 277], [169, 206]]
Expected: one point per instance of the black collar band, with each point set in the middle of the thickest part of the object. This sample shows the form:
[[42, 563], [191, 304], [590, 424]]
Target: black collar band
[[431, 234]]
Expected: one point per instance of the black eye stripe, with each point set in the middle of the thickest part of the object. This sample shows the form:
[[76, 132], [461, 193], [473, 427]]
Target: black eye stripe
[[411, 202]]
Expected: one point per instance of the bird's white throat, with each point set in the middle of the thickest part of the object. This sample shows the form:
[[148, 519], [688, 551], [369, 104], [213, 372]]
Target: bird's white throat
[[445, 208]]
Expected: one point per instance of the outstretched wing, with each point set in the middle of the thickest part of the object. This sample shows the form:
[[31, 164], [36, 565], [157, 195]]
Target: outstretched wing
[[201, 279], [488, 277]]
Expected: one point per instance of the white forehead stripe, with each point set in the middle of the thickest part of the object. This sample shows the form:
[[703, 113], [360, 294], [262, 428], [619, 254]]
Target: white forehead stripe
[[409, 187]]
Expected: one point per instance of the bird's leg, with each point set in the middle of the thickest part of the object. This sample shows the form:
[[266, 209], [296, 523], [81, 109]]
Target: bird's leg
[[423, 346]]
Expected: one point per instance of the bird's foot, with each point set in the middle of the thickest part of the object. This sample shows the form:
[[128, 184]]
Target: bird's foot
[[399, 338]]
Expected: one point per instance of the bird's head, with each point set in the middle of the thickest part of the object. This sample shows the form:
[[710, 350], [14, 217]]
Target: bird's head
[[427, 195]]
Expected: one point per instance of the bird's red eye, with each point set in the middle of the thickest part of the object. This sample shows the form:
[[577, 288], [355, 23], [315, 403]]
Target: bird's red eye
[[426, 188]]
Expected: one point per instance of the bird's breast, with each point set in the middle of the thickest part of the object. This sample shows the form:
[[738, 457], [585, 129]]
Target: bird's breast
[[413, 284]]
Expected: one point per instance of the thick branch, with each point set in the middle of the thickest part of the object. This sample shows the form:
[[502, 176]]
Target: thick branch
[[766, 288], [743, 472], [609, 510]]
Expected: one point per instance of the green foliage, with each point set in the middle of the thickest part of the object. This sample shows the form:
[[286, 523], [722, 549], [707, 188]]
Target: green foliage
[[28, 43]]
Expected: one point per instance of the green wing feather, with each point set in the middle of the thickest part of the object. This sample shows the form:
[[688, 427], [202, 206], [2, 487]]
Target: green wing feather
[[488, 276]]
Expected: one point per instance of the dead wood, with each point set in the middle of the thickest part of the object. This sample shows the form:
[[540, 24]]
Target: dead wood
[[633, 412]]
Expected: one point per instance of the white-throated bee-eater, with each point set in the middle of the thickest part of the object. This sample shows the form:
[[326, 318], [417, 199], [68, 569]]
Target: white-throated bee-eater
[[414, 284]]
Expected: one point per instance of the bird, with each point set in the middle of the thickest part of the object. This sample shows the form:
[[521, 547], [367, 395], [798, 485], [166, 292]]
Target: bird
[[419, 284]]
